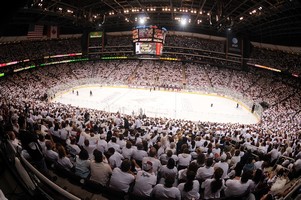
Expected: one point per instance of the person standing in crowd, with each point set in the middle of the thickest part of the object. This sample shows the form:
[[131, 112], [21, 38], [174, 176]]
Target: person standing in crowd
[[253, 108]]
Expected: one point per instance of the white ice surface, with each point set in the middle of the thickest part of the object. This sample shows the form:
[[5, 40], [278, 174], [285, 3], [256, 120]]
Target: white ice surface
[[176, 105]]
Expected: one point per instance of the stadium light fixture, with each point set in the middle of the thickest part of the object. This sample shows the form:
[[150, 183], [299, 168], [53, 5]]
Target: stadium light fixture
[[142, 20], [183, 21]]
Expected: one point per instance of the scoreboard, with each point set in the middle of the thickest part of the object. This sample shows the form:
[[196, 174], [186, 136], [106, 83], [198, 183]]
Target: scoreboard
[[148, 40], [149, 34]]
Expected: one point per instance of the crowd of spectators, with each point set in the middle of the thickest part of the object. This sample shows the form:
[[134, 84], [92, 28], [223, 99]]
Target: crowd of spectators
[[164, 74], [195, 43], [285, 61], [180, 159], [21, 50], [176, 159]]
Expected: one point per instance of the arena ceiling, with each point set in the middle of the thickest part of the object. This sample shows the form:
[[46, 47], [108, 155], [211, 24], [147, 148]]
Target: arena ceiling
[[270, 21]]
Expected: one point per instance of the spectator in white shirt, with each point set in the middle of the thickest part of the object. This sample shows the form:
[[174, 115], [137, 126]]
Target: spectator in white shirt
[[190, 189], [89, 147], [207, 171], [184, 159], [152, 158], [213, 186], [139, 154], [145, 181], [223, 164], [50, 153], [115, 158], [166, 191], [112, 143], [63, 159], [100, 171], [127, 150], [122, 177], [168, 170]]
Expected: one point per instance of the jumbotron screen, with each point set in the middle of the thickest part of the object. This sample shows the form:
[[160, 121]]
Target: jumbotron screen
[[148, 40], [148, 48], [149, 34]]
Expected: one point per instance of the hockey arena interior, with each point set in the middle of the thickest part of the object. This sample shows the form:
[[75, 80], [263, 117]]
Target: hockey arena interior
[[150, 99]]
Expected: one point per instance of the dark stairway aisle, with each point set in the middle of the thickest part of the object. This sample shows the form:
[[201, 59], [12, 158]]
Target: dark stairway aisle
[[8, 184]]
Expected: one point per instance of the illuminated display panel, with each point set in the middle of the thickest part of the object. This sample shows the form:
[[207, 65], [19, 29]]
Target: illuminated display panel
[[95, 34], [148, 48], [148, 34]]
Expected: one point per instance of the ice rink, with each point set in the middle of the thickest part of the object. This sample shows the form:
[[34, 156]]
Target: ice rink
[[176, 105]]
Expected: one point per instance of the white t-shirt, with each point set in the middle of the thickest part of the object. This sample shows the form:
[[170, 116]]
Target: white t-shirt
[[204, 172], [115, 160], [194, 193], [224, 166], [207, 189], [114, 145], [161, 192], [164, 171], [234, 187], [139, 154], [121, 143], [100, 172], [121, 180], [184, 159], [52, 154], [234, 160], [102, 145], [164, 159], [156, 163], [74, 148], [144, 183], [65, 161], [127, 153], [90, 150]]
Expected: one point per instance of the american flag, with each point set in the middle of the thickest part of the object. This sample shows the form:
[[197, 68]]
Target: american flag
[[35, 31]]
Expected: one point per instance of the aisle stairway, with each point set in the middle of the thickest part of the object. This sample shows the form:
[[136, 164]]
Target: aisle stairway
[[11, 189]]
